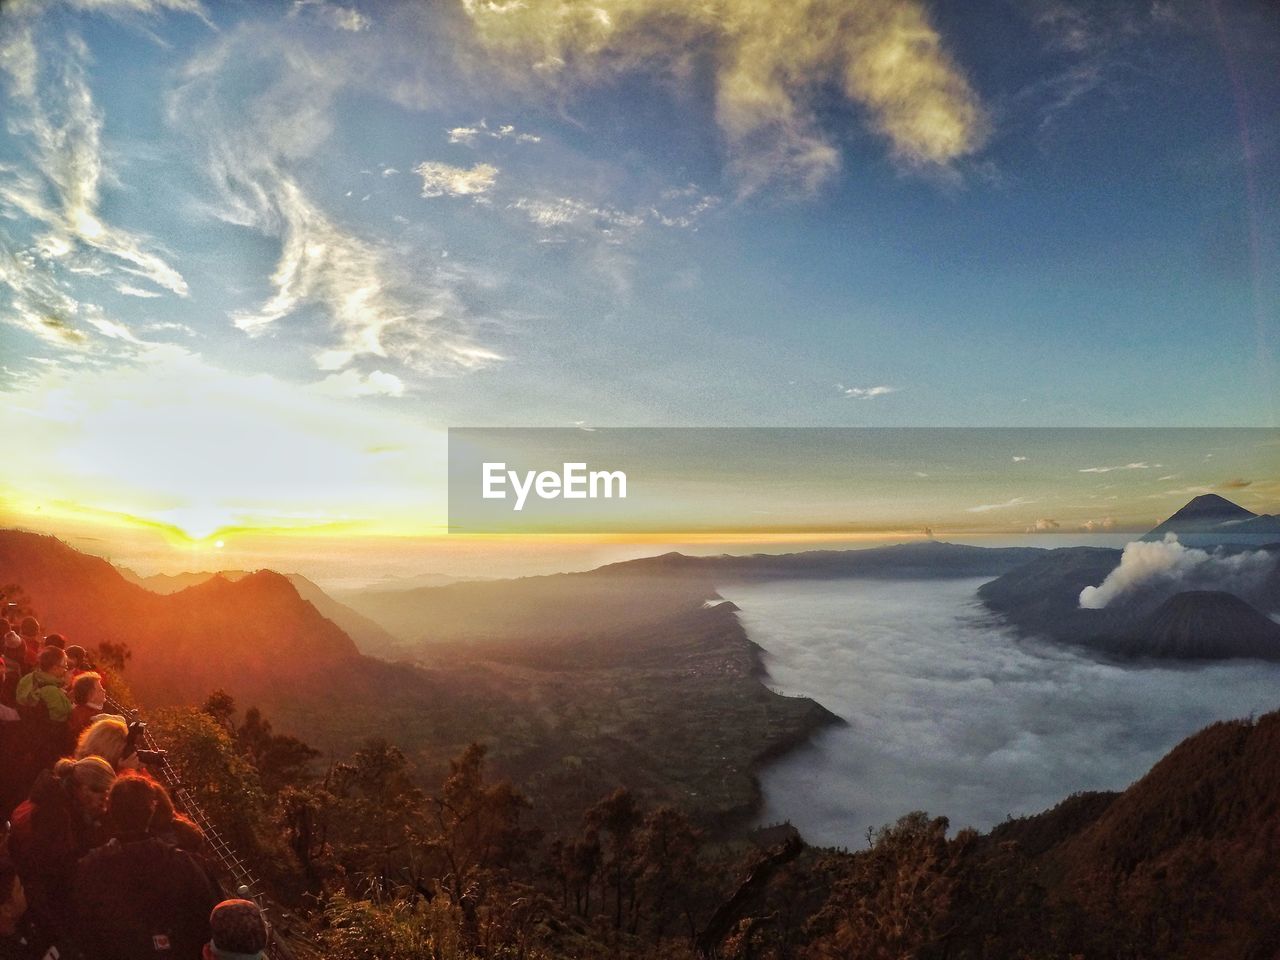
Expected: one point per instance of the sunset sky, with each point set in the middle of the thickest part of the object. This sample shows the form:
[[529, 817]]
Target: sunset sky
[[256, 258]]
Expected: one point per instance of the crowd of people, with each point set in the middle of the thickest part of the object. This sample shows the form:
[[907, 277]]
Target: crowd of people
[[95, 860]]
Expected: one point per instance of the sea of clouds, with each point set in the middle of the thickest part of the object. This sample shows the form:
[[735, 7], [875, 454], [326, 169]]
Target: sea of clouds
[[950, 713]]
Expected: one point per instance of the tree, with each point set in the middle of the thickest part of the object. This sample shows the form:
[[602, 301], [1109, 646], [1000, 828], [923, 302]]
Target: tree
[[372, 807], [222, 707], [473, 827], [896, 898], [671, 874], [617, 816], [281, 760]]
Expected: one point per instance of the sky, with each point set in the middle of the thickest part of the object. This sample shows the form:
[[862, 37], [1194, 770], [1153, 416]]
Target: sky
[[257, 258]]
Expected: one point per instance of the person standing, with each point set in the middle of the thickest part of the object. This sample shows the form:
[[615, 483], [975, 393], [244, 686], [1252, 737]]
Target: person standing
[[138, 896], [51, 831]]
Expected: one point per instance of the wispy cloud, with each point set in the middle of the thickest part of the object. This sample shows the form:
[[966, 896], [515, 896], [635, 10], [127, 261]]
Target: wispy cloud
[[468, 136], [864, 393], [333, 14], [353, 280], [378, 305], [883, 54], [131, 291], [1194, 490], [988, 507], [1093, 46], [1125, 466], [445, 180], [63, 128], [570, 211]]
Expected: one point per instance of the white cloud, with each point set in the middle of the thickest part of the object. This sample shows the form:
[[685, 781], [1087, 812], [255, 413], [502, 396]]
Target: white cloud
[[349, 383], [463, 135], [988, 507], [1098, 526], [769, 59], [1126, 466], [1169, 566], [865, 393], [443, 179], [467, 136], [351, 278], [1191, 491], [1018, 459], [132, 291]]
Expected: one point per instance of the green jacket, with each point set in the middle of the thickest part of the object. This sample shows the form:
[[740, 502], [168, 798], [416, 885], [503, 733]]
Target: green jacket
[[39, 687]]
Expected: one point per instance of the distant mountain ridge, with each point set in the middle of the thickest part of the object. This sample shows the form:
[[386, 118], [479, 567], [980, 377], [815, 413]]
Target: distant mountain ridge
[[928, 558], [1043, 598], [1209, 519], [496, 611]]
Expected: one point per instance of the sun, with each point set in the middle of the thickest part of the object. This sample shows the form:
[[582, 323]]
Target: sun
[[219, 544]]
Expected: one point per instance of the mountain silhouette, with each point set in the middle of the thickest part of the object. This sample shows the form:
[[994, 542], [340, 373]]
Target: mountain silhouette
[[1204, 624], [1209, 520], [249, 633], [368, 636]]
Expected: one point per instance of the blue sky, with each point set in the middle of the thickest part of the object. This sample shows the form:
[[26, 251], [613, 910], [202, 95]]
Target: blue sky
[[309, 236]]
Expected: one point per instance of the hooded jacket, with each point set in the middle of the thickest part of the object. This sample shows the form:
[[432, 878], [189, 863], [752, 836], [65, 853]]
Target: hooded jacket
[[38, 687]]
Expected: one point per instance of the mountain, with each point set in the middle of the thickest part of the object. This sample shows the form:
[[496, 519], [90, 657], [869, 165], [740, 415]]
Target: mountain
[[1042, 597], [368, 636], [666, 700], [1203, 625], [925, 559], [1179, 865], [216, 633], [166, 583], [1209, 519], [614, 599]]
